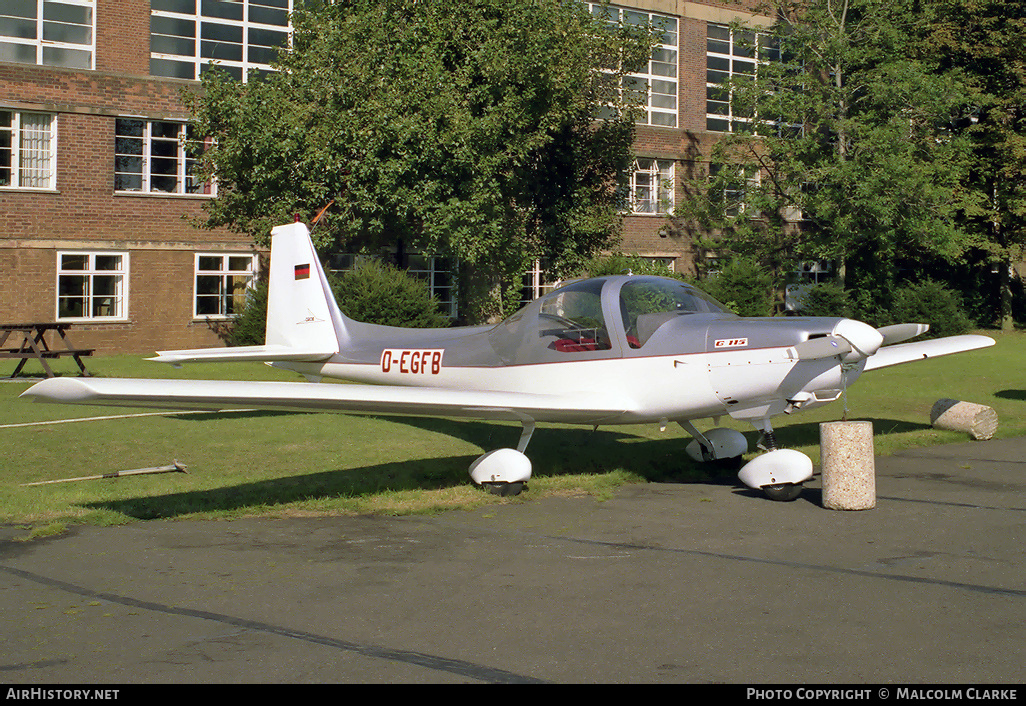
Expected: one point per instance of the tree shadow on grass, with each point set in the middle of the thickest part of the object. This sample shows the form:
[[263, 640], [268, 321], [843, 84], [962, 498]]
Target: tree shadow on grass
[[557, 452], [807, 434], [554, 452]]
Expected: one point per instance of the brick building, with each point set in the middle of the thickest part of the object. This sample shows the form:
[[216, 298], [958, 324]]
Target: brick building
[[96, 196]]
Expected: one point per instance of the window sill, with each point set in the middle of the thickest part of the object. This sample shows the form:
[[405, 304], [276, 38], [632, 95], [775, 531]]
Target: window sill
[[96, 320], [28, 190], [165, 195]]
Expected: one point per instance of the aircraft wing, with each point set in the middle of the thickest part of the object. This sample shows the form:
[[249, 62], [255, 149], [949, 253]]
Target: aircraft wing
[[908, 352], [215, 395]]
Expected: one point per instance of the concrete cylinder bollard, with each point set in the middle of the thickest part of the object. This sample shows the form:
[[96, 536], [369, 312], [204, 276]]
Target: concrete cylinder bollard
[[848, 464], [978, 421]]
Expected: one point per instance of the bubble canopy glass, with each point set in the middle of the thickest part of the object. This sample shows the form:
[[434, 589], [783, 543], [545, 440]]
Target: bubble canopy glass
[[596, 318]]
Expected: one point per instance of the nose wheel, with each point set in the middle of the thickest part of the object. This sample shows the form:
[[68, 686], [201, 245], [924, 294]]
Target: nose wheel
[[782, 492], [778, 473]]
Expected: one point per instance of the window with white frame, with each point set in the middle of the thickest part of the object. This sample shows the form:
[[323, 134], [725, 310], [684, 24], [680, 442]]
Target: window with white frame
[[92, 285], [28, 145], [437, 273], [651, 184], [654, 84], [731, 54], [223, 281], [735, 187], [48, 32], [535, 282], [188, 37], [153, 156]]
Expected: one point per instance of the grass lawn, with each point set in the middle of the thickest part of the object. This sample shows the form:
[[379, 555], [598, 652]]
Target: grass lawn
[[285, 464]]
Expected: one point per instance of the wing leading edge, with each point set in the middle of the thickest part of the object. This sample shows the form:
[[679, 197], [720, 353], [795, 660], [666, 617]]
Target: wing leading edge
[[909, 352], [341, 398]]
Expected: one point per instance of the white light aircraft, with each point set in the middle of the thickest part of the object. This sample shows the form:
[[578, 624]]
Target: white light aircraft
[[603, 351]]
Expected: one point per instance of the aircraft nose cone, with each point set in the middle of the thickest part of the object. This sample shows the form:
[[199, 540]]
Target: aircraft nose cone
[[865, 339]]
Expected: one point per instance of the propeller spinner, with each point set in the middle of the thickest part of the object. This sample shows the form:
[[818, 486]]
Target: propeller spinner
[[855, 340]]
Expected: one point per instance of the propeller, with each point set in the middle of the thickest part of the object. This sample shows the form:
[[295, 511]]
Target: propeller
[[855, 338], [902, 332]]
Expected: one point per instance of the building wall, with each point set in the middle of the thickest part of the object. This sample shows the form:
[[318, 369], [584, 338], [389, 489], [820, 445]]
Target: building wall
[[84, 212], [653, 235]]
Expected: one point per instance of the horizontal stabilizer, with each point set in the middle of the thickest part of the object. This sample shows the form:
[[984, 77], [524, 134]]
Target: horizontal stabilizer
[[909, 352], [266, 354], [311, 397]]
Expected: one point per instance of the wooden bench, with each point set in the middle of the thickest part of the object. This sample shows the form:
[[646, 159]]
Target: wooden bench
[[33, 345]]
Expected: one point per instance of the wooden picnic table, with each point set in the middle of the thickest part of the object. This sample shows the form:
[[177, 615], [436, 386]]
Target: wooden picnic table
[[34, 345]]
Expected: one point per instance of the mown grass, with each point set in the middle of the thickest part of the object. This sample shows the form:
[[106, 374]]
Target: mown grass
[[284, 464]]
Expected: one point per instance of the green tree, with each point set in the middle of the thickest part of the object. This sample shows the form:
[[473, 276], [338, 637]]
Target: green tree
[[463, 129], [842, 146], [983, 40]]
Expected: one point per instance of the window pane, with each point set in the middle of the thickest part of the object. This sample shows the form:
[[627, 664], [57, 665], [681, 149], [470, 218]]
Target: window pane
[[17, 53], [209, 263], [233, 71], [21, 8], [268, 16], [71, 14], [16, 27], [34, 153], [240, 264], [105, 299], [236, 300], [166, 130], [268, 38], [69, 58], [172, 26], [664, 119], [208, 284], [172, 69], [74, 262], [221, 33], [131, 128], [164, 149], [70, 307], [187, 7], [220, 8], [263, 55], [128, 181], [172, 45], [73, 34], [164, 184], [107, 262], [208, 305]]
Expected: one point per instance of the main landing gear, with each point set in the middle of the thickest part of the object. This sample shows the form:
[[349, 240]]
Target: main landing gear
[[778, 473], [505, 472]]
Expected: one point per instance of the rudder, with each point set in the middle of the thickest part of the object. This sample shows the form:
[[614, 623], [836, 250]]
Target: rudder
[[301, 309]]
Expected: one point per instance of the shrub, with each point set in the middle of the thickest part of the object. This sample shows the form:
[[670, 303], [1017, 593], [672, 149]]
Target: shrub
[[824, 299], [378, 293], [248, 327], [743, 286], [621, 264], [929, 302], [374, 292]]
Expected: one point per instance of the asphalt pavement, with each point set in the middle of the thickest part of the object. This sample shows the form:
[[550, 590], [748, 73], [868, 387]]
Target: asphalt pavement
[[687, 583]]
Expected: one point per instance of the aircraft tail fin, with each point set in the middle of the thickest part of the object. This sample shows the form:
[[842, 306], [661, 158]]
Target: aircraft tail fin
[[301, 310], [303, 321]]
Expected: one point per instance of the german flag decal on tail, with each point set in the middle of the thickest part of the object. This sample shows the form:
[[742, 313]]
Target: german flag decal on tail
[[302, 271]]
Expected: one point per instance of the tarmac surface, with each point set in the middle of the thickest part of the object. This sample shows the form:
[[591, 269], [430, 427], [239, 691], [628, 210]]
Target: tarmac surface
[[685, 583]]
